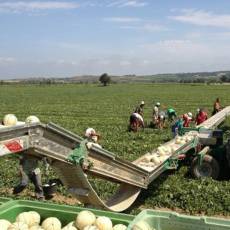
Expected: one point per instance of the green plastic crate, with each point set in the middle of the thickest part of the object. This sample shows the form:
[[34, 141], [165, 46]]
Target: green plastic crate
[[64, 213], [162, 220], [3, 200]]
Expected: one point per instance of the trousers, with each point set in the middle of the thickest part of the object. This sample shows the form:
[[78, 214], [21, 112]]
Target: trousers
[[33, 176]]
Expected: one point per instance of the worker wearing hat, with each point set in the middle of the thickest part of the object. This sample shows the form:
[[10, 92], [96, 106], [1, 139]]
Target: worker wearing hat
[[171, 114], [187, 119], [156, 112], [140, 109], [92, 138]]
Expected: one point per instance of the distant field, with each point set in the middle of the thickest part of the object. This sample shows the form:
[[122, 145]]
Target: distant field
[[107, 109]]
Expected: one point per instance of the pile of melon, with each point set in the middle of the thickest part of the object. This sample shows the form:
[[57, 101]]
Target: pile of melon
[[85, 220]]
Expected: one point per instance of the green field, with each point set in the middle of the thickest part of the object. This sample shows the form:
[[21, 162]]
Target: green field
[[107, 109]]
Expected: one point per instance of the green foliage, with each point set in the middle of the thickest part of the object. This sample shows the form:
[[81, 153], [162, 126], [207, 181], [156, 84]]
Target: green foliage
[[77, 107]]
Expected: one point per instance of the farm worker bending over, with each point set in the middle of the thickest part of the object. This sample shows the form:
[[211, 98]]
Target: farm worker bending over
[[201, 117], [136, 121], [156, 112], [216, 106], [187, 119], [177, 126], [171, 113], [92, 138], [161, 120], [30, 171], [140, 109]]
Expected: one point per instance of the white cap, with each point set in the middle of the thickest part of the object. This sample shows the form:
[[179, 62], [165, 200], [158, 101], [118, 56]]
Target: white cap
[[142, 102], [90, 132], [158, 103], [189, 114]]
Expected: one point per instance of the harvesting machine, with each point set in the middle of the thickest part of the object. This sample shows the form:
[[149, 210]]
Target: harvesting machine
[[58, 145]]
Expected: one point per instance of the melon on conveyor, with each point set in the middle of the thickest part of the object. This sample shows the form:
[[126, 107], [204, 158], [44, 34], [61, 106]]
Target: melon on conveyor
[[10, 120], [155, 159], [32, 119]]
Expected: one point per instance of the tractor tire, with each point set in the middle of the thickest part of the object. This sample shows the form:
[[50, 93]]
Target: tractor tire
[[208, 168], [228, 152]]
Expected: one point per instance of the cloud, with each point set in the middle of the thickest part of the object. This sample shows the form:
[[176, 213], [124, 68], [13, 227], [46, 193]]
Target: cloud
[[6, 60], [138, 24], [203, 18], [147, 27], [122, 19], [127, 3], [23, 6]]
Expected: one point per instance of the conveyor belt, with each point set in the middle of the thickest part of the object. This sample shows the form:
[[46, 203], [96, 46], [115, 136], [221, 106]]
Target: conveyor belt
[[57, 143], [217, 119]]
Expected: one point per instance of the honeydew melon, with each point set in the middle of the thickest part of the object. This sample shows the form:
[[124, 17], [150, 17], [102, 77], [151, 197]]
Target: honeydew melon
[[51, 223], [141, 225], [104, 223], [4, 224], [90, 227], [155, 160], [32, 119], [10, 120], [84, 219], [18, 226], [119, 227], [36, 227]]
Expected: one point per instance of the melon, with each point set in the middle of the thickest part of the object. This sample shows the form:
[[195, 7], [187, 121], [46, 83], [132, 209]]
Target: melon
[[10, 120], [104, 223], [32, 119], [35, 218], [18, 226], [51, 223], [36, 227], [90, 227], [161, 151], [69, 227], [119, 227], [155, 160], [25, 218], [4, 224], [141, 225], [84, 219]]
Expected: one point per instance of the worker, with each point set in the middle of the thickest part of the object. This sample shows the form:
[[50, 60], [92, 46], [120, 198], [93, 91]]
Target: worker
[[92, 138], [216, 106], [135, 121], [187, 119], [30, 171], [140, 109], [201, 116], [161, 119], [156, 113], [171, 114], [177, 126]]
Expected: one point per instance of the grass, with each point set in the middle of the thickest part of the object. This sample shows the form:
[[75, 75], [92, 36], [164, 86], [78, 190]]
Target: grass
[[107, 109]]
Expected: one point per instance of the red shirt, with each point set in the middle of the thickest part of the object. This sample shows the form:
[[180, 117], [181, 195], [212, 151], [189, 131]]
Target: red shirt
[[201, 117], [187, 120]]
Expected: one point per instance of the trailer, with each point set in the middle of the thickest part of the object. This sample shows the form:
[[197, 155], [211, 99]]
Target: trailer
[[60, 147]]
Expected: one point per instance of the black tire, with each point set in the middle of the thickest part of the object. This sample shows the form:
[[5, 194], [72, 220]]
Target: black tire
[[208, 168], [228, 152]]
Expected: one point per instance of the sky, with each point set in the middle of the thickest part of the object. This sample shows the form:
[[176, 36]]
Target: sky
[[65, 38]]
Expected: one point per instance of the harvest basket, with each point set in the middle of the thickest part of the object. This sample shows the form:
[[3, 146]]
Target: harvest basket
[[64, 213], [163, 220]]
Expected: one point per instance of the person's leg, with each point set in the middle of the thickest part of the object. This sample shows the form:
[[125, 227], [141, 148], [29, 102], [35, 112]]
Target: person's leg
[[23, 183], [36, 180]]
